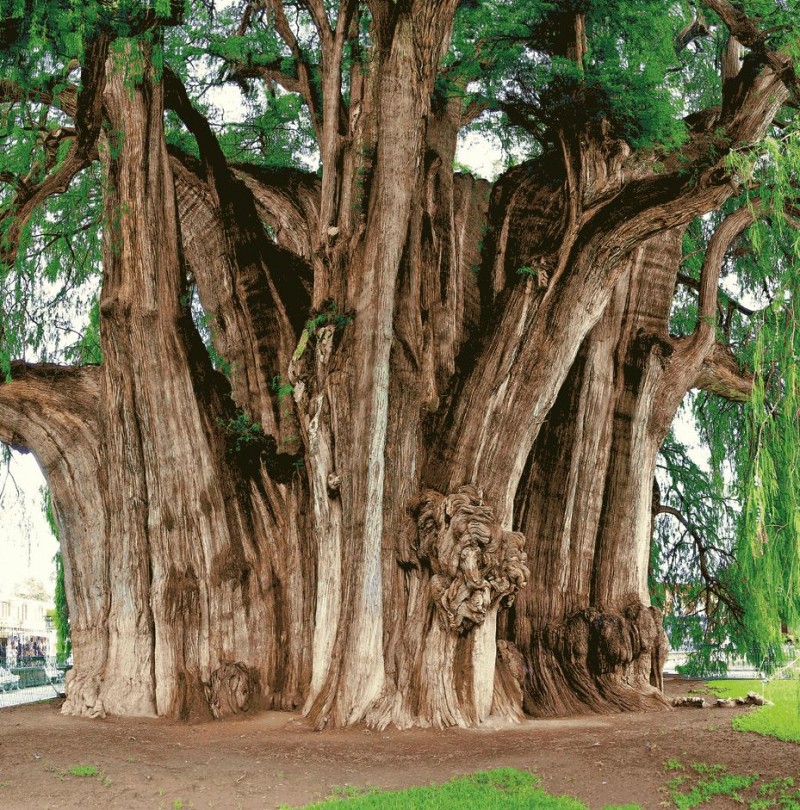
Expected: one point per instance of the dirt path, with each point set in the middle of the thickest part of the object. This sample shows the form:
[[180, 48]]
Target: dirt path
[[264, 761]]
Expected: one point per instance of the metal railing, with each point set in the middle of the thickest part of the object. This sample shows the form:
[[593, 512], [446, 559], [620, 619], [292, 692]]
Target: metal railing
[[31, 678]]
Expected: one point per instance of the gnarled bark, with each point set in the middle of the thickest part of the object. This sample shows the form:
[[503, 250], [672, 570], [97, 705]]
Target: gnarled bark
[[422, 495]]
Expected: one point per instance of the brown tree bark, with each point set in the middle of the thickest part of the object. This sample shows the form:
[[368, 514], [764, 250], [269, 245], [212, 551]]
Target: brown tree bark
[[450, 515]]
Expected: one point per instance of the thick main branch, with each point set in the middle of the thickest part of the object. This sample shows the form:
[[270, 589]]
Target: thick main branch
[[49, 410]]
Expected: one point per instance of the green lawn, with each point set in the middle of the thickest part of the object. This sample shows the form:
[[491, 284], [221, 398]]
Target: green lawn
[[502, 789], [782, 720]]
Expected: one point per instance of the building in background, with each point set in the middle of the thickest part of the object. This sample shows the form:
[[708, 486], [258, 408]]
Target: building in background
[[26, 629]]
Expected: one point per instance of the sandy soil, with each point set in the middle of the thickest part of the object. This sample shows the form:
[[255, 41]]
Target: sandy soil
[[271, 759]]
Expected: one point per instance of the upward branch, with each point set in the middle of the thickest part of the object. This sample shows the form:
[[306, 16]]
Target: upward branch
[[748, 33], [721, 242]]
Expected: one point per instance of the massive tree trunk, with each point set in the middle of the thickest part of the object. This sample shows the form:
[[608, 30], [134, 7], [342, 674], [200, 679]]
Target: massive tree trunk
[[421, 491]]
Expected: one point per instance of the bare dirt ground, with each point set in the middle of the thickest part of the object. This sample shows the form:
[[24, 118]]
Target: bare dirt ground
[[271, 759]]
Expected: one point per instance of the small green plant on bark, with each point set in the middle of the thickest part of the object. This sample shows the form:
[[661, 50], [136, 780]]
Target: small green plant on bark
[[243, 435]]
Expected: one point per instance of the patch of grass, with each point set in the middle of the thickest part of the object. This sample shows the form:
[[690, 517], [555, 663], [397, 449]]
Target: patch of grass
[[781, 720], [501, 789], [771, 788], [508, 789], [84, 770], [728, 784], [702, 783], [676, 782], [702, 768]]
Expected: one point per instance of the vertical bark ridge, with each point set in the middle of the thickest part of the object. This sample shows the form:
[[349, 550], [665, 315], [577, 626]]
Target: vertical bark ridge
[[580, 510], [558, 510], [209, 595], [358, 674], [621, 561]]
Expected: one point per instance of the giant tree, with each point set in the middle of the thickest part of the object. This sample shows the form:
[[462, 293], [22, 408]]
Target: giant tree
[[375, 440]]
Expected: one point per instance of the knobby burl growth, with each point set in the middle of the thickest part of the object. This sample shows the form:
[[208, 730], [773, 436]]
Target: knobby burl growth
[[476, 565]]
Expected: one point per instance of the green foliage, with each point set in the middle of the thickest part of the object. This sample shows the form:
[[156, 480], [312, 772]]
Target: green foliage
[[691, 560], [47, 296], [630, 77], [708, 789], [282, 389], [329, 315], [87, 350], [82, 771], [706, 658], [768, 462], [60, 612], [273, 128], [744, 504], [243, 435]]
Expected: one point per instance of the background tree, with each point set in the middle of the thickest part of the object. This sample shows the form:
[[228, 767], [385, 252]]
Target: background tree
[[31, 588], [379, 440], [60, 612]]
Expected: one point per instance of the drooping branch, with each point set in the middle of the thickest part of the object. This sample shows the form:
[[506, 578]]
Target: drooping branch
[[713, 584]]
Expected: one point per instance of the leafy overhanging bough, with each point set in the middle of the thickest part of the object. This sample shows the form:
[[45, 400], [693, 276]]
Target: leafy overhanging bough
[[387, 332]]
